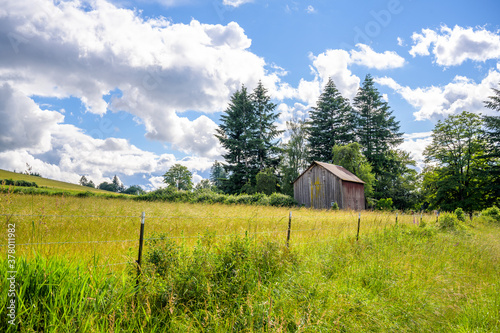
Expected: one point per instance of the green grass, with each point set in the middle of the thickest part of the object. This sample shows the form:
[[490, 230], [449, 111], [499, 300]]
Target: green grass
[[396, 278], [50, 185]]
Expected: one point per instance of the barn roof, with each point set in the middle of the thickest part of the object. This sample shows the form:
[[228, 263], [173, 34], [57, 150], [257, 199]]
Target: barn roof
[[337, 170]]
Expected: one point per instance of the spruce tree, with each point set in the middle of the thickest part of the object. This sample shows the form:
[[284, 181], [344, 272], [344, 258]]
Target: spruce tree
[[377, 130], [331, 123], [236, 134], [266, 153]]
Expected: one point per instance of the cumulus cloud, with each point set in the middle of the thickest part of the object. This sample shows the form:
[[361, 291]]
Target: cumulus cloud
[[452, 47], [435, 102], [161, 69], [415, 144], [336, 64], [310, 9]]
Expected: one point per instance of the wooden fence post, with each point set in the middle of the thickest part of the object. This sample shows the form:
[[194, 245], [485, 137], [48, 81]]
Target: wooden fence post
[[141, 241], [396, 218], [359, 222], [289, 228]]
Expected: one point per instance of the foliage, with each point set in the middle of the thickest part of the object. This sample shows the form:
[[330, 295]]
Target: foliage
[[457, 153], [335, 206], [331, 123], [266, 182], [450, 222], [85, 182], [108, 187], [459, 213], [377, 130], [295, 155], [204, 185], [492, 212], [384, 204], [134, 190], [11, 182], [218, 175], [178, 177], [248, 133], [350, 157], [492, 169]]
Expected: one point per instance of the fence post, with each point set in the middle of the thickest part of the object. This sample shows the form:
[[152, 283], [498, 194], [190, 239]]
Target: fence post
[[289, 228], [421, 216], [396, 218], [359, 222], [141, 241]]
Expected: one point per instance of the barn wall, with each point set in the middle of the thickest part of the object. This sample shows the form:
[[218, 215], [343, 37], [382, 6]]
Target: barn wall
[[354, 195], [318, 188]]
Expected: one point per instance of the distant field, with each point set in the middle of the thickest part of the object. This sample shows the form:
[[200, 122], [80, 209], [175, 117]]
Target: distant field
[[49, 183]]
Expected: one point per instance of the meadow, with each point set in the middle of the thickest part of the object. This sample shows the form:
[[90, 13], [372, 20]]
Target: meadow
[[223, 268]]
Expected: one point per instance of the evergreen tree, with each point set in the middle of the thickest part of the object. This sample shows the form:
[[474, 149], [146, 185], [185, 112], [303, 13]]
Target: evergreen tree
[[248, 134], [332, 123], [265, 144], [492, 170], [377, 129], [236, 134], [218, 175]]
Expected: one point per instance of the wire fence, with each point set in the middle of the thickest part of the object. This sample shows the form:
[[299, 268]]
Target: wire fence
[[280, 225]]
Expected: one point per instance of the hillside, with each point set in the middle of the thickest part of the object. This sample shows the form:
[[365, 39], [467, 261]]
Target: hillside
[[49, 183]]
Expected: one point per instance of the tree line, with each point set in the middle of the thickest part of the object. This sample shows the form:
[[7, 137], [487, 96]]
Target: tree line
[[462, 167]]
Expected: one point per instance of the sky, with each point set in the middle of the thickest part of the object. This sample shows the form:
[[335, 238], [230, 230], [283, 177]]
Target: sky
[[129, 88]]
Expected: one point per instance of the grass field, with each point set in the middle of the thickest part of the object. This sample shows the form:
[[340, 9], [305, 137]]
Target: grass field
[[49, 183], [226, 268]]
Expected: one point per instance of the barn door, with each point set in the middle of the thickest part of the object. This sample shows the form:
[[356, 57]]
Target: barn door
[[317, 188]]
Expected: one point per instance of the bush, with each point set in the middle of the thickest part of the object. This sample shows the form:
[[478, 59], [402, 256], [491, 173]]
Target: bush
[[335, 206], [281, 200], [384, 204], [492, 212], [460, 214], [23, 183], [449, 221]]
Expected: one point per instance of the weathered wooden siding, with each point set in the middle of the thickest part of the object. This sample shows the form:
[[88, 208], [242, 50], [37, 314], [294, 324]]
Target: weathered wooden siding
[[354, 196], [318, 188]]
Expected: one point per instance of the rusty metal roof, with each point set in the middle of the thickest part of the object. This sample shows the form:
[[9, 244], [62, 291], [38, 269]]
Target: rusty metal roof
[[337, 170]]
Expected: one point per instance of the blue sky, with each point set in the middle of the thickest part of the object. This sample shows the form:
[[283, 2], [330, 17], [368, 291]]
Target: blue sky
[[99, 88]]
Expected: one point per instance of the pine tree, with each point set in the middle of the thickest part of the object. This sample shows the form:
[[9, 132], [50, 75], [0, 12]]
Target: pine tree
[[265, 144], [218, 175], [332, 123], [236, 134], [377, 129]]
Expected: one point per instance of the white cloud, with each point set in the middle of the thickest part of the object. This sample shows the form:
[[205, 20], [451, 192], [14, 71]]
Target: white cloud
[[401, 41], [452, 47], [161, 68], [310, 9], [415, 144], [371, 59], [235, 3], [435, 102]]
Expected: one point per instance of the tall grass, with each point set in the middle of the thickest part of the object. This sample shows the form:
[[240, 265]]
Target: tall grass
[[225, 268]]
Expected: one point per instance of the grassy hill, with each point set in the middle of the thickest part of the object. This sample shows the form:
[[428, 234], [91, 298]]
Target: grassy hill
[[50, 184]]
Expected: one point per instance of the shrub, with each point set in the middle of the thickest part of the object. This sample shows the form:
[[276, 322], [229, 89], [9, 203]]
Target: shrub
[[281, 200], [492, 212], [335, 206], [384, 204], [460, 214], [449, 221]]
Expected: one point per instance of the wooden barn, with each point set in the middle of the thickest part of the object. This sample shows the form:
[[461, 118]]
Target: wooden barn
[[323, 183]]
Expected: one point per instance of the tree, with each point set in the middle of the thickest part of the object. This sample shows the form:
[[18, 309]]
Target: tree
[[203, 185], [377, 130], [134, 190], [107, 187], [266, 182], [457, 153], [218, 175], [179, 177], [492, 170], [332, 123], [248, 134], [295, 155], [350, 157], [118, 184], [85, 182], [267, 132], [236, 133]]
